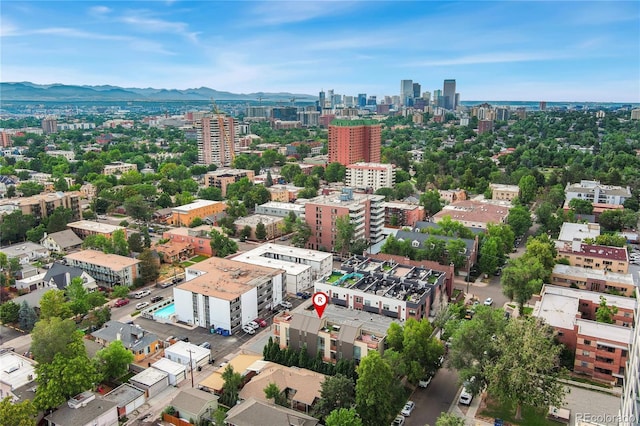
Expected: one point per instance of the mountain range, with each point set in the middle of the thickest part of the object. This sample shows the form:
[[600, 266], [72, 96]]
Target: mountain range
[[26, 91]]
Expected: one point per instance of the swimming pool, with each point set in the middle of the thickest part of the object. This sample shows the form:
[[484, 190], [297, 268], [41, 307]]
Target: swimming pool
[[166, 311]]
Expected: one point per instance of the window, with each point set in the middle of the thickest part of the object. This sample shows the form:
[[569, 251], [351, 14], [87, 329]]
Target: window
[[587, 342], [585, 353], [584, 364]]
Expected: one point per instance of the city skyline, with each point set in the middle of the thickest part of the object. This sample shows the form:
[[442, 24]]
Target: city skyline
[[512, 51]]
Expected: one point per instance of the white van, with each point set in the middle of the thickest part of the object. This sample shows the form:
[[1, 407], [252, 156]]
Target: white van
[[142, 293]]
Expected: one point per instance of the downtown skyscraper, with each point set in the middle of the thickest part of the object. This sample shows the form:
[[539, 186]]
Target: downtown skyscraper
[[449, 95]]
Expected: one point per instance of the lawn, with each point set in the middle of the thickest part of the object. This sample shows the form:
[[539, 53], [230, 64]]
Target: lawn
[[334, 277], [198, 258], [506, 412], [186, 264], [526, 311]]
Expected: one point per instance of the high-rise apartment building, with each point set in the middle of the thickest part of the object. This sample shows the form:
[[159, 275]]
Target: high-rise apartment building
[[630, 405], [437, 98], [362, 99], [351, 141], [370, 176], [416, 90], [449, 94], [365, 212], [49, 125], [406, 91], [216, 139]]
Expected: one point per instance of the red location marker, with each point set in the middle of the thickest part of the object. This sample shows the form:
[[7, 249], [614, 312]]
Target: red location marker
[[320, 301]]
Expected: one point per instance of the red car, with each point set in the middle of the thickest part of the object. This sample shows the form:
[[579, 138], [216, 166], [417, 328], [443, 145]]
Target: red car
[[121, 302], [261, 322]]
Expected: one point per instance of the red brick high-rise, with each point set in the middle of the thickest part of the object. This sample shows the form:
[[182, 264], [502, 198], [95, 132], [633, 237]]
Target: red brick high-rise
[[352, 141]]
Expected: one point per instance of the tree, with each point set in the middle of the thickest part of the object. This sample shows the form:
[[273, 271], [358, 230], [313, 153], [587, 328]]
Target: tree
[[343, 417], [378, 392], [525, 368], [245, 233], [222, 245], [58, 220], [30, 188], [581, 206], [269, 182], [9, 312], [54, 335], [63, 378], [611, 240], [136, 244], [301, 233], [522, 278], [448, 419], [605, 313], [543, 249], [261, 231], [272, 391], [519, 219], [77, 295], [149, 266], [27, 316], [335, 172], [18, 413], [345, 231], [230, 389], [431, 202], [138, 208], [11, 191], [120, 245], [528, 188], [36, 234], [490, 255], [121, 291], [113, 361], [14, 226], [53, 304], [336, 392]]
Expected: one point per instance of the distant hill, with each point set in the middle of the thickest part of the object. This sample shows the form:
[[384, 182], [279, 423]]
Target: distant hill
[[26, 91]]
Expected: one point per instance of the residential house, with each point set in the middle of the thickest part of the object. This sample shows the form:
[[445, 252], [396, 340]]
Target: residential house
[[60, 276], [127, 398], [474, 214], [247, 365], [139, 341], [85, 409], [174, 251], [199, 238], [195, 404], [186, 353], [151, 381], [252, 412], [17, 371], [61, 242], [25, 252]]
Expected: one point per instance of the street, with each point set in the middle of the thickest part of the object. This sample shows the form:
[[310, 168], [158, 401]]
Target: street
[[435, 399]]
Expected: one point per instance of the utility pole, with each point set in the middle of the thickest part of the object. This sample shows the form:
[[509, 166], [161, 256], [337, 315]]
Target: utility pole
[[191, 365]]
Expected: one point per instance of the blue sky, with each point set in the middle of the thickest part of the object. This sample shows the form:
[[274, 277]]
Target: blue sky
[[505, 50]]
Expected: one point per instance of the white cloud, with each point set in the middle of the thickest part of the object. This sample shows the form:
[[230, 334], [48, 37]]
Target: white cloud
[[285, 12], [99, 10], [159, 25], [492, 58]]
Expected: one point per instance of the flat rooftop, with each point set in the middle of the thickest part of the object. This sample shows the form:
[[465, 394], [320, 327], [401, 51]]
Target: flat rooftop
[[168, 366], [592, 296], [197, 204], [111, 261], [398, 205], [338, 315], [284, 206], [593, 274], [281, 250], [573, 231], [254, 219], [557, 310], [100, 228], [16, 370], [290, 267], [124, 394], [226, 279], [334, 200], [149, 377], [604, 331]]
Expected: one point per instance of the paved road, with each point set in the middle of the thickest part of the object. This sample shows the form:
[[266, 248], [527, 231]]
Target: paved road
[[435, 399]]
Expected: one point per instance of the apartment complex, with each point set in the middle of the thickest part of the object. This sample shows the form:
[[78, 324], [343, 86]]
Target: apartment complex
[[630, 405], [593, 191], [452, 195], [598, 280], [341, 333], [303, 266], [272, 225], [118, 168], [216, 138], [370, 176], [601, 349], [226, 294], [504, 192], [386, 288], [397, 214], [351, 141], [107, 269], [84, 228], [280, 209], [589, 256], [184, 215], [474, 214], [221, 178], [199, 238], [365, 212], [43, 205]]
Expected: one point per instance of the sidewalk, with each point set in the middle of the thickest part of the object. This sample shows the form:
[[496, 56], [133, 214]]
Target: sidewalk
[[470, 416]]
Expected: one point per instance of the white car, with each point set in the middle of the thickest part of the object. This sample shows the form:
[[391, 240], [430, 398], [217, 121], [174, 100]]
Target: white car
[[286, 304], [425, 382], [253, 325], [488, 301], [142, 305], [465, 397], [398, 421], [408, 408], [248, 329]]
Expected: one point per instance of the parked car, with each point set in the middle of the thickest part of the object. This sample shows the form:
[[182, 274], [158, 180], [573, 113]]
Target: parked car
[[142, 293], [425, 381], [261, 322], [408, 408], [465, 397], [488, 301], [398, 421], [303, 295], [155, 299], [286, 304], [253, 325], [142, 305], [205, 345], [248, 329], [121, 302], [183, 338]]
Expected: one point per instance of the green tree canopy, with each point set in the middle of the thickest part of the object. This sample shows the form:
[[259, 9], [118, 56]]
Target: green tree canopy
[[63, 378], [222, 245], [149, 266], [519, 219], [337, 392], [9, 312], [261, 231], [17, 413], [55, 335], [54, 304], [605, 313], [343, 417], [231, 387], [113, 361], [378, 393]]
